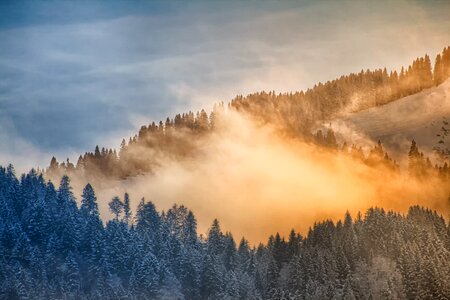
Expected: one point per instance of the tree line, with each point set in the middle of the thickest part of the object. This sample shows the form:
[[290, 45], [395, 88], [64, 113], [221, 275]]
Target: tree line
[[354, 92], [294, 113], [419, 165]]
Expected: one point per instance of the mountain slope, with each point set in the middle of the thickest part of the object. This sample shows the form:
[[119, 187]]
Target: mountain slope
[[421, 116], [292, 113]]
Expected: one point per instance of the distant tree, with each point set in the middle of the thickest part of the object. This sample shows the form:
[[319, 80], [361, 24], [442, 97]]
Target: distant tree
[[330, 139], [127, 209], [54, 165], [116, 207], [417, 164], [427, 73], [438, 70], [97, 152]]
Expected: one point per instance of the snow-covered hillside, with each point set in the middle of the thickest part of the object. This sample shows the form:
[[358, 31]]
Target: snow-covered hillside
[[422, 116]]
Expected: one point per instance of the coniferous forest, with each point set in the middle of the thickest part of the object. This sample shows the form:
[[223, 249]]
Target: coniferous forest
[[225, 150], [53, 249]]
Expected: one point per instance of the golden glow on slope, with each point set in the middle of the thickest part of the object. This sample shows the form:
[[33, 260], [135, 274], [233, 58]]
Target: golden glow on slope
[[257, 183]]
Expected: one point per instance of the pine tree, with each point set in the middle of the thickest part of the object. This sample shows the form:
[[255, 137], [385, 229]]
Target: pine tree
[[229, 252], [427, 73], [65, 196], [212, 284], [68, 219], [145, 276], [148, 221], [189, 273], [89, 206], [190, 230], [54, 165], [293, 245], [438, 71], [116, 207], [415, 160], [71, 273], [215, 239]]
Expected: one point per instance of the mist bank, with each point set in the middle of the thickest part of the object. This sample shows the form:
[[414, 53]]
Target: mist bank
[[258, 181]]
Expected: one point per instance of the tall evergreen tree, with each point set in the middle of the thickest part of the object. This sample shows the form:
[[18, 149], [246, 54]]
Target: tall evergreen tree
[[89, 207]]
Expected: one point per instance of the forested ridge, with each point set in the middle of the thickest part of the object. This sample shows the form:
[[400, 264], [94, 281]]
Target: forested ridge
[[52, 248], [292, 113]]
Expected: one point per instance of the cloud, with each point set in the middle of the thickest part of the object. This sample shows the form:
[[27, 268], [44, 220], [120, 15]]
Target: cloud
[[13, 148], [76, 79]]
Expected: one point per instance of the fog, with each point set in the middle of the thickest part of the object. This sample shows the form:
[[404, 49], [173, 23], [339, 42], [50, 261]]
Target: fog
[[257, 181]]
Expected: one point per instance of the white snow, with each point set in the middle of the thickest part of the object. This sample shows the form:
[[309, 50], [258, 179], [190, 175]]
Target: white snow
[[419, 116]]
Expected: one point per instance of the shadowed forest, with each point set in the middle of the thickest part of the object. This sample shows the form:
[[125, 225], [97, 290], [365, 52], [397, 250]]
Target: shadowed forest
[[52, 249]]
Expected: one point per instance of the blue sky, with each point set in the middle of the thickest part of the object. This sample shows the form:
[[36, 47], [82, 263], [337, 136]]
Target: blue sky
[[76, 74]]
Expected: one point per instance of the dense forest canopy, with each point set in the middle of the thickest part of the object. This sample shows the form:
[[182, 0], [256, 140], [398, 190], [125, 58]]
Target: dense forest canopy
[[50, 248]]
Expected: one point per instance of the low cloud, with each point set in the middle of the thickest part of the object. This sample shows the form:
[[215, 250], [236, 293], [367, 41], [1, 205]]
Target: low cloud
[[257, 182]]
